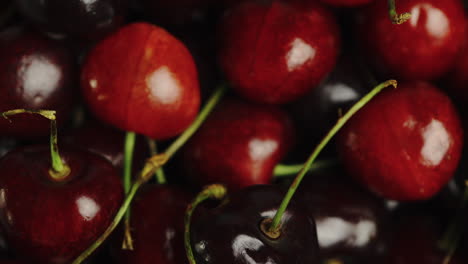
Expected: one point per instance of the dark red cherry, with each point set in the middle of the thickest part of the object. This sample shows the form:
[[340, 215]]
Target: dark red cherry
[[157, 227], [53, 222], [346, 3], [405, 144], [274, 51], [35, 73], [231, 232], [238, 145], [76, 18], [142, 79], [350, 220], [423, 48]]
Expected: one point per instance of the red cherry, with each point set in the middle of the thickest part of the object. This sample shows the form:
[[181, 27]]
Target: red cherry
[[238, 145], [35, 73], [405, 144], [423, 48], [142, 79], [53, 222], [274, 52], [157, 227]]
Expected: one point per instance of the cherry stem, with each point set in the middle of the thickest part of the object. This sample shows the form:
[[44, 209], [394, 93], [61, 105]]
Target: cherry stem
[[129, 148], [160, 175], [151, 166], [394, 16], [274, 227], [452, 235], [215, 191], [59, 169], [282, 170]]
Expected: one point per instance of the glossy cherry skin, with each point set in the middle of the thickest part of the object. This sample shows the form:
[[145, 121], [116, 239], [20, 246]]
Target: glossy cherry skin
[[350, 220], [35, 73], [238, 145], [53, 222], [274, 52], [405, 144], [230, 233], [75, 18], [157, 226], [151, 88], [423, 48]]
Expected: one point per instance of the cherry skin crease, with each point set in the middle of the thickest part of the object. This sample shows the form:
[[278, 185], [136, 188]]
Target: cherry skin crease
[[405, 144], [238, 145], [274, 51], [35, 73], [53, 222], [157, 224], [231, 232], [151, 88], [423, 48]]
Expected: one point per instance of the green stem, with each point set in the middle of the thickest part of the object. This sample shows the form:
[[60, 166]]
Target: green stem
[[59, 169], [282, 170], [120, 214], [160, 175], [394, 16], [451, 238], [275, 223], [129, 147], [214, 191]]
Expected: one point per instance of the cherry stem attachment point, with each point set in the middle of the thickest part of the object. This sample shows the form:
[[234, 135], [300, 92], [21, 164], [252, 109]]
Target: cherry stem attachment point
[[396, 18], [216, 192], [160, 175], [282, 170], [59, 169], [275, 223], [452, 235]]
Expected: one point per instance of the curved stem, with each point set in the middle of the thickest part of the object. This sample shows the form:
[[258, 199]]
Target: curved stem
[[274, 226], [394, 16], [120, 214], [160, 175], [452, 235], [129, 148], [282, 170], [59, 169], [214, 191]]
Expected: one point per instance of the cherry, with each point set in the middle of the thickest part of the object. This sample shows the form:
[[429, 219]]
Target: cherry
[[151, 88], [35, 73], [350, 220], [274, 52], [406, 144], [157, 227], [239, 145], [50, 220], [423, 48], [76, 18], [231, 233]]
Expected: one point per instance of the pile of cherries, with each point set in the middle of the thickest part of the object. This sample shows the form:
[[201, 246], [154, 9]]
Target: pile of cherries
[[172, 132]]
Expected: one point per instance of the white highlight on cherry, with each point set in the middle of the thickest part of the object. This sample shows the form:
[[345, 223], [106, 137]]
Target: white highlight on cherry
[[242, 243], [437, 23], [334, 230], [436, 143], [163, 85], [87, 207], [299, 54], [260, 149], [40, 76]]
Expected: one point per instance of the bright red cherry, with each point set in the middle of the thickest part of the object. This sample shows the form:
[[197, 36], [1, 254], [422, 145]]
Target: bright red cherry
[[142, 79], [157, 226], [405, 144], [50, 221], [274, 52], [238, 145], [423, 48], [35, 73]]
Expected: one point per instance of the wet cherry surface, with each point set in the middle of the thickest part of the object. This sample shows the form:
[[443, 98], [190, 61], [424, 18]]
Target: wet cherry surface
[[52, 222], [238, 145], [274, 52], [405, 144], [231, 232], [151, 89]]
